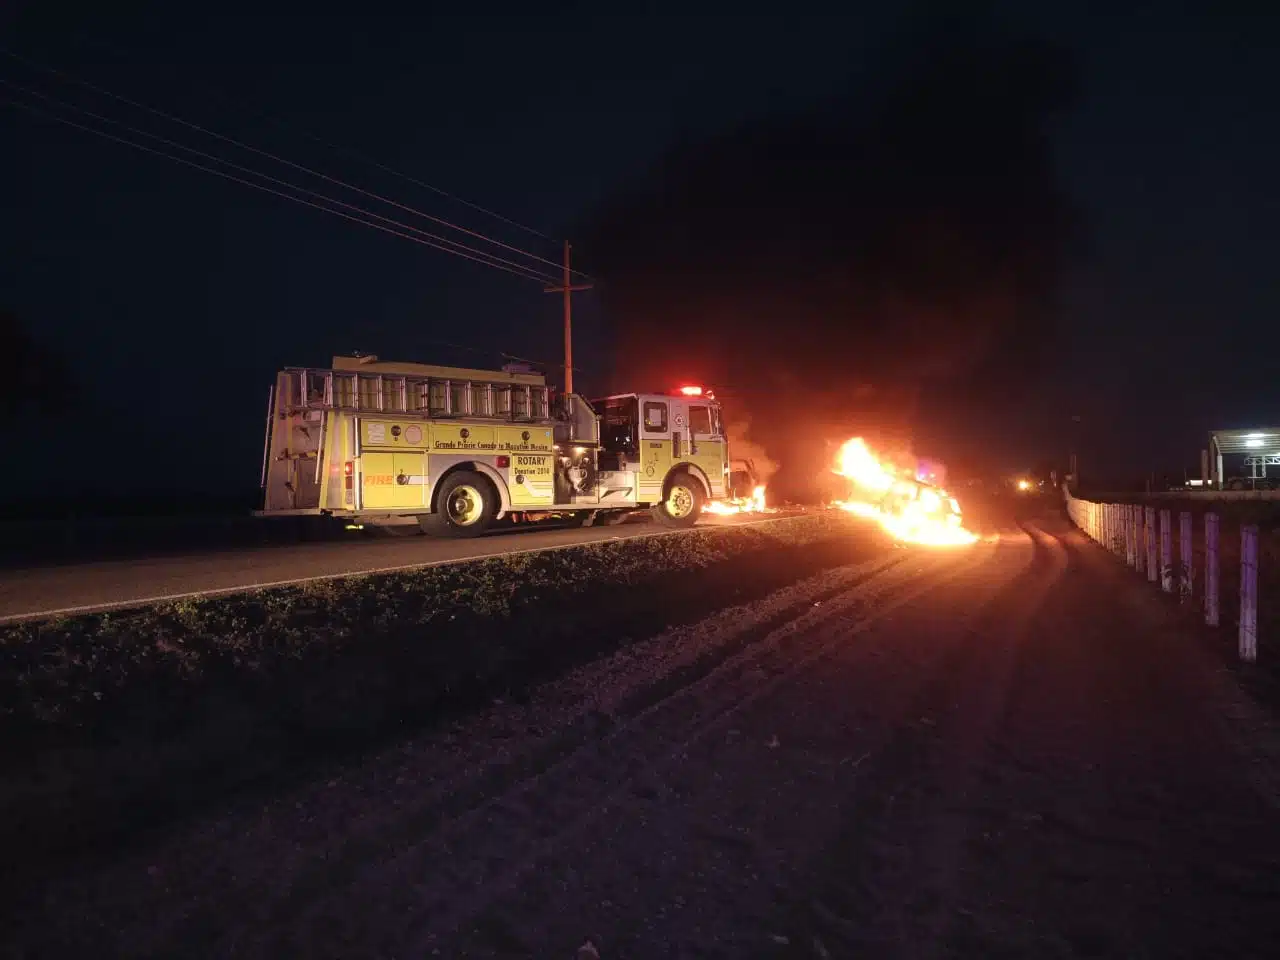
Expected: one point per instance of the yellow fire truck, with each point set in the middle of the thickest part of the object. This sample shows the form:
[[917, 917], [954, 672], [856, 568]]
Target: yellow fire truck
[[453, 450]]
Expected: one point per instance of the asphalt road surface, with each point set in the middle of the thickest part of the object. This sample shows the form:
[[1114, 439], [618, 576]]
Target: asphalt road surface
[[1002, 751], [49, 591]]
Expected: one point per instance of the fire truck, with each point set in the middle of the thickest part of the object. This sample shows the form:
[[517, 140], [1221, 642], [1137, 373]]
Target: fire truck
[[454, 450]]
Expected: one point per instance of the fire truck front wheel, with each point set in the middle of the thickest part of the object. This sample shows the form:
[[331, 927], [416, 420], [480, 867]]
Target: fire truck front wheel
[[683, 503], [465, 506]]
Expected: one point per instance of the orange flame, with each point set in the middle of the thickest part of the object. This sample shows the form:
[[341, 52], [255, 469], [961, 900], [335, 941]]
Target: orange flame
[[907, 511], [752, 504]]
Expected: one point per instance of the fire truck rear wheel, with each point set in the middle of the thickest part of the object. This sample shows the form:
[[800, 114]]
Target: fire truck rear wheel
[[683, 503], [465, 507]]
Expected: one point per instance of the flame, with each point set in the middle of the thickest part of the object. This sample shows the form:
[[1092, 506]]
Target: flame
[[860, 465], [752, 504], [921, 515]]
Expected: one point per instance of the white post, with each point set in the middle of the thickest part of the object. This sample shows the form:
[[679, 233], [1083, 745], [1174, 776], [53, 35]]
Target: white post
[[1249, 593], [1130, 541], [1139, 539], [1166, 551], [1211, 569], [1185, 556], [1153, 572]]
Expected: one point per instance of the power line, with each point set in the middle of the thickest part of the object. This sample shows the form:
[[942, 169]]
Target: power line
[[284, 183], [504, 356], [257, 186], [271, 156], [362, 157]]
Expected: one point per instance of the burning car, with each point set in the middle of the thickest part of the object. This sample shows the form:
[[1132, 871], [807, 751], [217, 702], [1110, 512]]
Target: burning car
[[914, 502], [909, 509]]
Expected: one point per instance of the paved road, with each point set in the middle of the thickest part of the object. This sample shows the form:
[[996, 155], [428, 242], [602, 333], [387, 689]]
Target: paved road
[[1007, 751], [50, 591]]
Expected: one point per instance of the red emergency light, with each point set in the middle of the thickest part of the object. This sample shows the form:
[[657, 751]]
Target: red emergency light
[[691, 391]]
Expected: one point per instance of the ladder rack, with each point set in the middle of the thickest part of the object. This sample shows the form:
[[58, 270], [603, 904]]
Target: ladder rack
[[305, 388]]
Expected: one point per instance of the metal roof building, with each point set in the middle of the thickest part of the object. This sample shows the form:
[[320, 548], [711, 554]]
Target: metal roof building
[[1260, 447]]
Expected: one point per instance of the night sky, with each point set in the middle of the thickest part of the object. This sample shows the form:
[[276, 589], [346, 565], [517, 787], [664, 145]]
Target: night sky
[[173, 296]]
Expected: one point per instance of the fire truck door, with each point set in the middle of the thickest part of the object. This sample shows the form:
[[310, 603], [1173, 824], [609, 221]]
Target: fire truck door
[[707, 446], [655, 447], [681, 444]]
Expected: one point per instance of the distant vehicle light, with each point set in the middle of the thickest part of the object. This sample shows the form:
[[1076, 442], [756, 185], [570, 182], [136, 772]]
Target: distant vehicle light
[[1024, 484], [691, 391]]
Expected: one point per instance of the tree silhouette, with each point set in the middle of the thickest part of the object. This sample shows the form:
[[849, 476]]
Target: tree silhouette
[[33, 377]]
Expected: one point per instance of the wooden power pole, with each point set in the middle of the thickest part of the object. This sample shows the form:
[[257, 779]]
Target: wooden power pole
[[569, 289]]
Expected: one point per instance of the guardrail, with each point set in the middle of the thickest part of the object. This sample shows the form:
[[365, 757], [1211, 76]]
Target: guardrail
[[1144, 536]]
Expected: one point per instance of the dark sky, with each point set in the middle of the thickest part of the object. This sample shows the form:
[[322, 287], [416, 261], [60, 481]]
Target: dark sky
[[175, 295]]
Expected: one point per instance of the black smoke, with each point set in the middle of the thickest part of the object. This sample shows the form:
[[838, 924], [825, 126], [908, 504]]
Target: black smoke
[[824, 268]]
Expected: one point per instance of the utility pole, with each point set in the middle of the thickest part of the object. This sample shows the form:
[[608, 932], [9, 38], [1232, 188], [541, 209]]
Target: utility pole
[[569, 289]]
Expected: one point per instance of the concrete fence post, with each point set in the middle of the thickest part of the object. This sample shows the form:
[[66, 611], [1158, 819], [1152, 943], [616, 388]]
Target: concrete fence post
[[1139, 540], [1249, 593], [1166, 551], [1153, 571], [1186, 568], [1130, 541], [1211, 569]]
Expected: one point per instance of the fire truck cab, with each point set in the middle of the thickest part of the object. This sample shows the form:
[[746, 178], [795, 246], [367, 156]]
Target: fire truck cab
[[453, 449]]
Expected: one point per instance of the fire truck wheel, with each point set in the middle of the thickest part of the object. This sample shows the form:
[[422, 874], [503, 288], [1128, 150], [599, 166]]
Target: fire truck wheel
[[683, 504], [465, 506]]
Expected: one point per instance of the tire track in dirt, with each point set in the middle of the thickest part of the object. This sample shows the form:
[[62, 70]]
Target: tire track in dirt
[[223, 872], [503, 839], [890, 881], [694, 861]]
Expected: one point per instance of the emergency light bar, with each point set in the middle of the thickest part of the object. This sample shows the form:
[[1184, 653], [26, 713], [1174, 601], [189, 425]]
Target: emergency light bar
[[691, 391]]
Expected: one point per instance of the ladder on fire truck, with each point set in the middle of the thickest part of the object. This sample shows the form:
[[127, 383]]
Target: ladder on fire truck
[[413, 395]]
